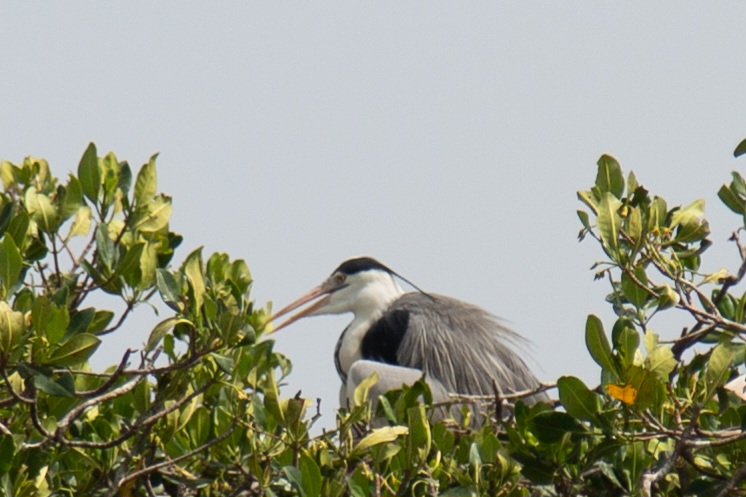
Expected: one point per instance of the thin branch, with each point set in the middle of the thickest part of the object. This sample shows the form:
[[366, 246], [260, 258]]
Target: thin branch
[[112, 378], [78, 410], [733, 483], [175, 460]]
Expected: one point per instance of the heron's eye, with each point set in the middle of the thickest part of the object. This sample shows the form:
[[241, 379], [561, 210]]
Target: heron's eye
[[340, 278]]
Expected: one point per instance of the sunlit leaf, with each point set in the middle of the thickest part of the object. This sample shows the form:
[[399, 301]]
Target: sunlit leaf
[[380, 436], [609, 222], [11, 264], [81, 225], [146, 184]]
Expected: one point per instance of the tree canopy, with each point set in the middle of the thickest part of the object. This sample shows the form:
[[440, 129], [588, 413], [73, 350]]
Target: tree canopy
[[196, 409]]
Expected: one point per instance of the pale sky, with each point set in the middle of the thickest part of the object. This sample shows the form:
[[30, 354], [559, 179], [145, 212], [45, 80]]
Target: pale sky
[[446, 139]]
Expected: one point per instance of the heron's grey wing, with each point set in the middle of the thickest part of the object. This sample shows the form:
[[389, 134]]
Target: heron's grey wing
[[391, 377], [461, 345]]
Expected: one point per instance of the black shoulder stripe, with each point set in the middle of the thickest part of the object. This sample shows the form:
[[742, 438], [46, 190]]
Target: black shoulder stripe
[[381, 342]]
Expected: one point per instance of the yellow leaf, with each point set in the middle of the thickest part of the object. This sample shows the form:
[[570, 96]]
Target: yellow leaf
[[625, 393]]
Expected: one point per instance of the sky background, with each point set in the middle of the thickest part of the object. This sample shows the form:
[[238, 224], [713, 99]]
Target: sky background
[[446, 139]]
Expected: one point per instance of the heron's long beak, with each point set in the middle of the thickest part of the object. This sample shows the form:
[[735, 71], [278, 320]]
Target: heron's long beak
[[322, 291]]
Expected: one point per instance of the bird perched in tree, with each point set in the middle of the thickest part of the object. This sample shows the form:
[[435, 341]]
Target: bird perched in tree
[[460, 348]]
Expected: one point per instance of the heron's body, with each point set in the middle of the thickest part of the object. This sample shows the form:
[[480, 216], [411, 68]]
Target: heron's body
[[460, 348]]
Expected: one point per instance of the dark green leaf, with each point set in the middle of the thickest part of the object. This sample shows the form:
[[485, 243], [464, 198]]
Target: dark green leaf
[[100, 321], [168, 288], [89, 173], [598, 345], [7, 452], [732, 200], [551, 426], [18, 227], [633, 291], [5, 216], [740, 149], [129, 265], [609, 177], [74, 351], [626, 340], [578, 400], [80, 321], [105, 248], [54, 388]]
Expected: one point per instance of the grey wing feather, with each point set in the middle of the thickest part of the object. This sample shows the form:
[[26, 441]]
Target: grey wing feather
[[462, 346]]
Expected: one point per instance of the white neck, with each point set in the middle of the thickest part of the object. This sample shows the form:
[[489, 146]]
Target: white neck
[[372, 300]]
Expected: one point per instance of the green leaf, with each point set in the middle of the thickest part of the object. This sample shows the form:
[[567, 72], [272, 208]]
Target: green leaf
[[626, 340], [7, 452], [732, 200], [657, 213], [577, 399], [42, 211], [310, 476], [90, 174], [54, 388], [609, 221], [74, 351], [101, 320], [660, 361], [6, 214], [81, 225], [18, 228], [632, 183], [598, 345], [11, 264], [80, 321], [193, 268], [634, 225], [160, 331], [609, 177], [73, 197], [718, 367], [740, 149], [588, 199], [146, 184], [129, 265], [168, 288], [420, 438], [105, 248], [380, 436], [632, 291], [551, 426], [154, 215], [12, 325]]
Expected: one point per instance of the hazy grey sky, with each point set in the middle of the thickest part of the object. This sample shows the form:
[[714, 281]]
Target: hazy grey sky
[[445, 139]]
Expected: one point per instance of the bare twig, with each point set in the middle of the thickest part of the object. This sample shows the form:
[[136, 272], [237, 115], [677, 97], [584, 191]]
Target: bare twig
[[175, 460]]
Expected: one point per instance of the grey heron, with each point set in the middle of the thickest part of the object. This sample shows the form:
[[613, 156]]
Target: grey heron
[[461, 348]]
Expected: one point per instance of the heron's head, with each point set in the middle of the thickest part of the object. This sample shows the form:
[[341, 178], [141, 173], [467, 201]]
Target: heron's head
[[360, 286]]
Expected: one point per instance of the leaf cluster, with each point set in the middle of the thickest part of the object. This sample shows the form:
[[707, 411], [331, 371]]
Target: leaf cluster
[[198, 409]]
